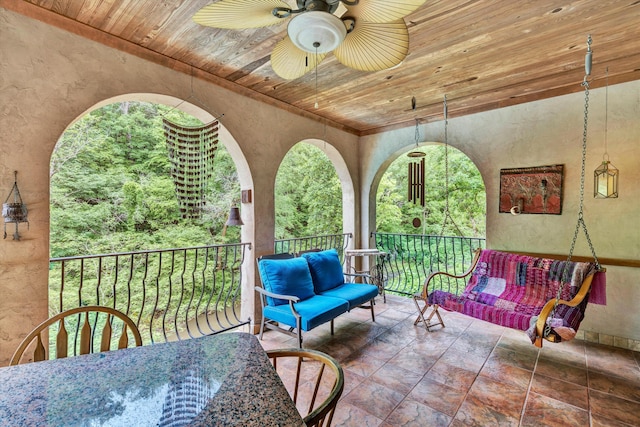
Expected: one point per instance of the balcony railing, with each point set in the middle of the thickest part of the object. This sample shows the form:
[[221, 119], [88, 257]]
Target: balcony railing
[[171, 294], [412, 257], [300, 244]]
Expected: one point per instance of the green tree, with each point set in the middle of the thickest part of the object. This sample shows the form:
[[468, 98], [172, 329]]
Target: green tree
[[308, 194]]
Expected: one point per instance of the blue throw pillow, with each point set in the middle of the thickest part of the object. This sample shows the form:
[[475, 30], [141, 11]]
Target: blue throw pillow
[[286, 277], [326, 269]]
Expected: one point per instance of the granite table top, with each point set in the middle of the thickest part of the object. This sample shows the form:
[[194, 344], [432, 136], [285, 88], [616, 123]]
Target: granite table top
[[220, 380]]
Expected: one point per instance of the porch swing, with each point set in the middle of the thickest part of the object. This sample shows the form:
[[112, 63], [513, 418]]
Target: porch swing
[[547, 298]]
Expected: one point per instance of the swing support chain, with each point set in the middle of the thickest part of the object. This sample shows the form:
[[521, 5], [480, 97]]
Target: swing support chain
[[447, 212], [580, 222]]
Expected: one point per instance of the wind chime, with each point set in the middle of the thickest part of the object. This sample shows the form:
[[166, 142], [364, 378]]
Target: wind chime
[[416, 168], [191, 151]]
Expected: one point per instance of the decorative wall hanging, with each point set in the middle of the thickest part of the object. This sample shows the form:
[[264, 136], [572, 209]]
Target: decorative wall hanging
[[535, 190], [14, 212], [191, 151]]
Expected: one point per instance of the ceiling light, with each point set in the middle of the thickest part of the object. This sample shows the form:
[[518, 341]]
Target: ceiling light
[[316, 31]]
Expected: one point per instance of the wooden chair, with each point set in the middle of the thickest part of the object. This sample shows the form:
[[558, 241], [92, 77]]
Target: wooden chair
[[307, 379], [82, 326]]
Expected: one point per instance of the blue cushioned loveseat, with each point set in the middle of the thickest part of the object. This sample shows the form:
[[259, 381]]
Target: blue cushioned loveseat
[[301, 293]]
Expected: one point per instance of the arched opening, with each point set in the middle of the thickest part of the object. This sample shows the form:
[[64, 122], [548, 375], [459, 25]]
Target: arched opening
[[442, 234], [314, 194], [118, 235]]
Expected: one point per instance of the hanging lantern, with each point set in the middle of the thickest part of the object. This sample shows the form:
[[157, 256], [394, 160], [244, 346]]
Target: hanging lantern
[[605, 177], [14, 212], [605, 181]]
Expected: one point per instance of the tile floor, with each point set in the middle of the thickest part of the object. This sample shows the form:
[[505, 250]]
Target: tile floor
[[470, 373]]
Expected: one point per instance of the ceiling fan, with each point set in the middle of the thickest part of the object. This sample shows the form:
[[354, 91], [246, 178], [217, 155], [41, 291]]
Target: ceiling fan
[[366, 35]]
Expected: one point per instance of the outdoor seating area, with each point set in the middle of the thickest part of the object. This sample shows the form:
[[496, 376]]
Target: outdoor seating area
[[470, 372], [302, 293]]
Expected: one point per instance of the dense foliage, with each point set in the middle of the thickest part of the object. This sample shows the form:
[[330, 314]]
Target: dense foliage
[[111, 189], [466, 194]]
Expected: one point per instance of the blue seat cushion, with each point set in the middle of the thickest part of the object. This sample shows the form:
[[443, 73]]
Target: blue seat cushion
[[313, 311], [355, 293], [326, 269], [286, 277]]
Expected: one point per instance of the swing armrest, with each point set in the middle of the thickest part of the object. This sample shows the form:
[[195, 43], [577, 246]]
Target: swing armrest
[[425, 288], [548, 308]]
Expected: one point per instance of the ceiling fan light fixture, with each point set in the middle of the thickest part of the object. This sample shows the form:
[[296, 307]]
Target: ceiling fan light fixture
[[316, 31]]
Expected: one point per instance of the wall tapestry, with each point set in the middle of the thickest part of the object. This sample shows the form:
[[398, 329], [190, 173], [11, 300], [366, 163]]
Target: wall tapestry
[[535, 190]]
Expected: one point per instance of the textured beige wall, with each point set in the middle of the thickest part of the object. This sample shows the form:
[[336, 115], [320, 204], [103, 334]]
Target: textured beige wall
[[50, 77], [543, 133]]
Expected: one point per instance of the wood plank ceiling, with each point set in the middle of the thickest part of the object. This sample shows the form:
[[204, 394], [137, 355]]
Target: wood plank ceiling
[[482, 54]]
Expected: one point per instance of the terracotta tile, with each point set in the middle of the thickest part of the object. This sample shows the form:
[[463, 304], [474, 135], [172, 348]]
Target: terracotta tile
[[347, 415], [569, 373], [453, 376], [499, 371], [572, 394], [620, 387], [363, 366], [602, 421], [461, 359], [381, 350], [351, 381], [416, 362], [396, 378], [374, 398], [564, 353], [518, 341], [413, 414], [514, 358], [545, 411], [395, 337], [501, 398], [614, 408], [613, 361], [475, 412], [438, 396]]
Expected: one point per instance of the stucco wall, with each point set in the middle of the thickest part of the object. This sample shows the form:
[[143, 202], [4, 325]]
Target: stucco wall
[[544, 133], [50, 77]]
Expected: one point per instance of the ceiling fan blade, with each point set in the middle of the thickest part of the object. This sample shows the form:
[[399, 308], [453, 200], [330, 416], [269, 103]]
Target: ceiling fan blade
[[374, 46], [383, 10], [239, 14], [289, 62]]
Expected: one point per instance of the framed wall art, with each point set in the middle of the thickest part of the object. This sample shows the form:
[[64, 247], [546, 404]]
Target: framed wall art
[[535, 190]]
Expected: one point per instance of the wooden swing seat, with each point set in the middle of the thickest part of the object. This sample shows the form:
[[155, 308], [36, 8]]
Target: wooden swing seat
[[516, 291]]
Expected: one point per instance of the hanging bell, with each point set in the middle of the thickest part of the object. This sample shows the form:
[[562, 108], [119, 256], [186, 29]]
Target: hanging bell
[[14, 212], [234, 216]]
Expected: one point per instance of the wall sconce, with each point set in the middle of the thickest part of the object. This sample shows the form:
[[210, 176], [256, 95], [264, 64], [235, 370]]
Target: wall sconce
[[14, 212]]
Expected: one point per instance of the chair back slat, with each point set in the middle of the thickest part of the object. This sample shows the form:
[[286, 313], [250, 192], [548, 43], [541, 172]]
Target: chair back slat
[[322, 415], [85, 335], [39, 353], [80, 320], [105, 343], [62, 340], [123, 342], [315, 390]]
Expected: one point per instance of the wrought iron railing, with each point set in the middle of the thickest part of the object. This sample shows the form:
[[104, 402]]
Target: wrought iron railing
[[300, 244], [412, 257], [171, 294]]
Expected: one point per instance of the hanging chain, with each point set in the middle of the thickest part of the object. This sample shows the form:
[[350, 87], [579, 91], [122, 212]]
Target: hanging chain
[[447, 212], [580, 223]]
